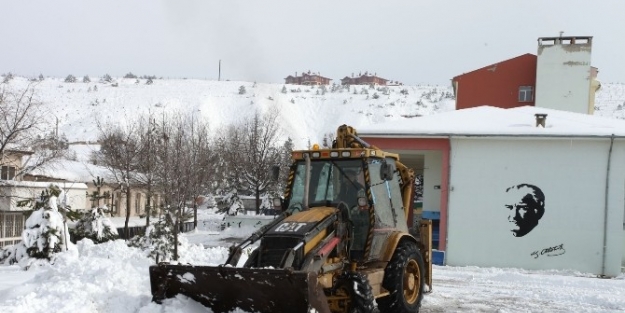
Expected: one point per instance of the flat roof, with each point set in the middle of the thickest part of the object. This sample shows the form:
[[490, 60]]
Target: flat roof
[[494, 122]]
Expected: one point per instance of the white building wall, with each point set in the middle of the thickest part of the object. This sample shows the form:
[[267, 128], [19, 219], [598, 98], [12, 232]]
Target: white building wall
[[572, 175], [433, 165], [563, 76], [14, 191]]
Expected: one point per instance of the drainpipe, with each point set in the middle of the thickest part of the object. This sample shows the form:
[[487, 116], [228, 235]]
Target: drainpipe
[[449, 188], [605, 209]]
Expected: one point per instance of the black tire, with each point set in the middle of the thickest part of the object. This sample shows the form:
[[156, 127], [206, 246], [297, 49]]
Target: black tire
[[357, 286], [406, 292]]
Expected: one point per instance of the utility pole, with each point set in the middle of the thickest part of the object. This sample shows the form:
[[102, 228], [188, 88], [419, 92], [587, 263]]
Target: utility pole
[[219, 76]]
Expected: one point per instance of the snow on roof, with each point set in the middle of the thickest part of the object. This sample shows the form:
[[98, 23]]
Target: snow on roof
[[492, 121], [38, 184], [74, 171]]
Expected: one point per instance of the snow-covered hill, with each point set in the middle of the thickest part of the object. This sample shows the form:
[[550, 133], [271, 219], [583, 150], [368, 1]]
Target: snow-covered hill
[[306, 113]]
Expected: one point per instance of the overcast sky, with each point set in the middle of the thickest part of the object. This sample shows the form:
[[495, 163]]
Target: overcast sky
[[412, 41]]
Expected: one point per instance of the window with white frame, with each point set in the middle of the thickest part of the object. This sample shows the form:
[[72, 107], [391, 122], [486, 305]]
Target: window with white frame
[[526, 94], [7, 172]]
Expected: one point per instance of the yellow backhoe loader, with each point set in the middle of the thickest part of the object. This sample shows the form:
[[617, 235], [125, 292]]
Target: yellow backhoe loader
[[341, 242]]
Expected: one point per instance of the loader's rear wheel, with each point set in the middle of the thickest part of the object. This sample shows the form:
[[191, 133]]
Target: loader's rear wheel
[[403, 278], [354, 288]]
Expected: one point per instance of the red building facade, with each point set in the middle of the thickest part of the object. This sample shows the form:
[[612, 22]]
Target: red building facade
[[366, 79], [307, 79], [507, 84]]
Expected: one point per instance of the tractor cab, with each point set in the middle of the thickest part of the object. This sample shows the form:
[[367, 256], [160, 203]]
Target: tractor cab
[[358, 182]]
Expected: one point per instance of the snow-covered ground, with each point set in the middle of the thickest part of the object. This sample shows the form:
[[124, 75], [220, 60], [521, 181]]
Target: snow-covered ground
[[113, 277]]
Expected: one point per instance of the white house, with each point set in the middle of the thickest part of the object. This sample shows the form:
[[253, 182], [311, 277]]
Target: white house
[[11, 215], [513, 194]]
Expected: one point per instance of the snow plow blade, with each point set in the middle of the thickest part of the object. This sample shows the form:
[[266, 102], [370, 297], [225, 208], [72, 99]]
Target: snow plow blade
[[224, 288]]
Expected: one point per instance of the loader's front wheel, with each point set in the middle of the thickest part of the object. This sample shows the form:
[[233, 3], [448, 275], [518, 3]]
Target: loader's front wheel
[[354, 293], [403, 278]]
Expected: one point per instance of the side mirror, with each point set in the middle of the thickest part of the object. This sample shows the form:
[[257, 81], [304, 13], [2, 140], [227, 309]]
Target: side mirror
[[275, 172]]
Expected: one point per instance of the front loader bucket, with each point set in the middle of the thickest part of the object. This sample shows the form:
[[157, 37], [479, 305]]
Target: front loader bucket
[[224, 288]]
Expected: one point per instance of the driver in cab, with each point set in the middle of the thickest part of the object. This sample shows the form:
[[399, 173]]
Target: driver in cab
[[351, 188]]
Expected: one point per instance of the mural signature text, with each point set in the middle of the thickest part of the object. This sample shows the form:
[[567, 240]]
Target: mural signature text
[[551, 251]]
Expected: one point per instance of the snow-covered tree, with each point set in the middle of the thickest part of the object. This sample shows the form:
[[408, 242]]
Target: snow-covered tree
[[158, 240], [95, 224], [86, 79], [106, 78], [45, 232], [70, 79], [232, 202], [242, 90]]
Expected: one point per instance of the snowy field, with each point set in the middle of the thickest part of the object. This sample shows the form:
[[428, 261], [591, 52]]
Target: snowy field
[[112, 277]]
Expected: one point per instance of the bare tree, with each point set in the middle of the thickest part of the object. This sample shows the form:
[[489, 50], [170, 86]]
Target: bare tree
[[202, 159], [23, 119], [147, 164], [252, 148], [185, 166], [120, 151]]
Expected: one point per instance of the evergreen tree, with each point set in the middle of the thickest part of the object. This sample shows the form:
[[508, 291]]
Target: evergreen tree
[[7, 77], [284, 89], [242, 90], [95, 225], [106, 78], [70, 79], [86, 79], [41, 78], [45, 232], [158, 240]]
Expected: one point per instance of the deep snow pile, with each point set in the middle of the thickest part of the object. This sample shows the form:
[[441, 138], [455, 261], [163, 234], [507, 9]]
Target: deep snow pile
[[112, 277]]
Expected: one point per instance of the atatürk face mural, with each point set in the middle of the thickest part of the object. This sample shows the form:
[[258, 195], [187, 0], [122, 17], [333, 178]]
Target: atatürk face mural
[[526, 205]]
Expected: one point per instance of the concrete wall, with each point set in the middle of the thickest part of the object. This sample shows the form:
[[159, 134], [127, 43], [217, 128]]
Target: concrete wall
[[563, 75], [572, 175]]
